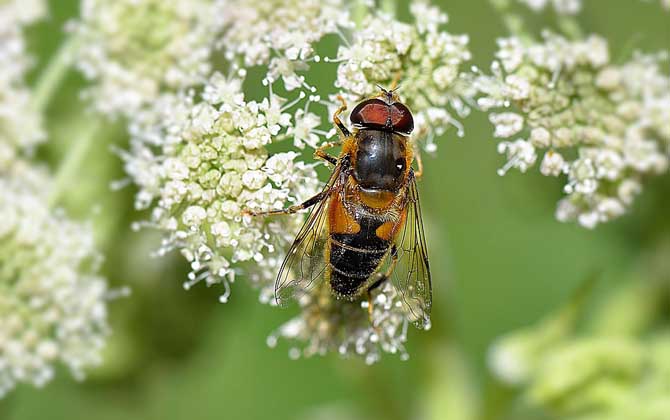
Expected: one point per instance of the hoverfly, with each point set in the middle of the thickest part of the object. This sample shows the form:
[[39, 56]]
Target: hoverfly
[[365, 226]]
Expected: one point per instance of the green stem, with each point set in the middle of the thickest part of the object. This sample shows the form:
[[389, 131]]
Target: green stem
[[513, 22], [570, 27], [389, 7], [65, 177], [360, 11], [53, 74]]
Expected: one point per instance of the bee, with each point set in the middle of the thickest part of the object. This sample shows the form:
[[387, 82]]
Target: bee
[[365, 226]]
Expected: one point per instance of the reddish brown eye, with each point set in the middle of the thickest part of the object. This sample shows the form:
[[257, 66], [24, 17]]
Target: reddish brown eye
[[401, 118], [371, 113]]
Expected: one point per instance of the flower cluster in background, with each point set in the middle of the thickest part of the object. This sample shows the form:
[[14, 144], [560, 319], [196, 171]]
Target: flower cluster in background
[[427, 61], [619, 370], [52, 301], [53, 304], [135, 50], [20, 127], [567, 7], [565, 105]]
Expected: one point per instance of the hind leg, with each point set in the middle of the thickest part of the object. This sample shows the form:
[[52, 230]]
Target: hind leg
[[381, 278]]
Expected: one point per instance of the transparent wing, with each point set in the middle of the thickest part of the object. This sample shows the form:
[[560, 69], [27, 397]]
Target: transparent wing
[[305, 263], [411, 276]]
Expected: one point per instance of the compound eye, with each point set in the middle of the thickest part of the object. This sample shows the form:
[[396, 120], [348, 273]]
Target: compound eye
[[371, 113], [401, 118]]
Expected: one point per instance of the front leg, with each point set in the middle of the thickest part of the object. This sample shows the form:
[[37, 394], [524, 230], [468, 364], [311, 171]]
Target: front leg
[[320, 153], [344, 131], [419, 163], [292, 209]]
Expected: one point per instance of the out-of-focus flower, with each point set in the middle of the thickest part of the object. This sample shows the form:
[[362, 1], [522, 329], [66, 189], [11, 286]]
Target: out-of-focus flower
[[618, 370], [53, 302], [426, 60], [280, 34], [608, 377], [602, 125], [563, 7], [20, 127], [132, 50], [327, 324], [202, 162]]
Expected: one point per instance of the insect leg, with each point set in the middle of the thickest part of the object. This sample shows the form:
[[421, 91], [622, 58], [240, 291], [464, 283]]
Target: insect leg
[[396, 81], [381, 279], [292, 209], [419, 163], [320, 153], [344, 131]]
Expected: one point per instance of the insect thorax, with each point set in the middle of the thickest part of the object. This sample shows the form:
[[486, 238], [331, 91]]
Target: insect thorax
[[380, 161]]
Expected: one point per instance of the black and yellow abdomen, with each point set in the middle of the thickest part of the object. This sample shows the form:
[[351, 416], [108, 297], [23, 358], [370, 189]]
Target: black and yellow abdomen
[[357, 244], [354, 257]]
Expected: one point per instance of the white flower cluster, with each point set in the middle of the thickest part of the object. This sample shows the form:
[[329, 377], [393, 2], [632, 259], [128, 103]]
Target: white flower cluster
[[330, 325], [133, 50], [202, 153], [563, 7], [20, 127], [427, 61], [567, 7], [53, 304], [52, 301], [203, 162], [280, 34], [604, 126]]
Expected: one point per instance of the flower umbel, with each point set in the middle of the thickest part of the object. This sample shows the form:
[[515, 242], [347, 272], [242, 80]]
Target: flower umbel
[[602, 125], [427, 61], [280, 34], [53, 302], [133, 50], [330, 325], [202, 163], [20, 127]]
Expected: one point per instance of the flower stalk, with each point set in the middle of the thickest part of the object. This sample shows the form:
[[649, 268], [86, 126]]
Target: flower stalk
[[53, 74]]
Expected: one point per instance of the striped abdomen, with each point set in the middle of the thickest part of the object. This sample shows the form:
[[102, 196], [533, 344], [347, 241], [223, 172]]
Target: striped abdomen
[[354, 257]]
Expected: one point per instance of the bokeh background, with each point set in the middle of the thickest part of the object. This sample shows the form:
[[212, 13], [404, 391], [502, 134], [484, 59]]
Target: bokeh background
[[500, 262]]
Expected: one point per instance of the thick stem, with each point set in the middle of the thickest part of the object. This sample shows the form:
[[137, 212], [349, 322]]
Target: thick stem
[[53, 74], [513, 22], [360, 11], [389, 7], [570, 27], [65, 177]]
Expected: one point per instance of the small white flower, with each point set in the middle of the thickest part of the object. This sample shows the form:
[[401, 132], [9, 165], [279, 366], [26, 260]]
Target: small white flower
[[553, 164], [520, 154], [507, 124]]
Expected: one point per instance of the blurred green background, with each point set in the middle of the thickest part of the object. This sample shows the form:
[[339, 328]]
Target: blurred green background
[[500, 262]]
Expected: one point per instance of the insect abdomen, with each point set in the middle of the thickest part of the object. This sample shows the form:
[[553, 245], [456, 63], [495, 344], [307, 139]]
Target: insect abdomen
[[354, 257]]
